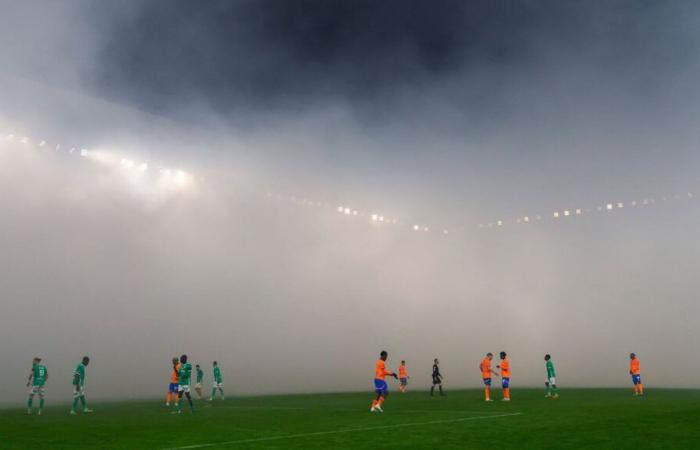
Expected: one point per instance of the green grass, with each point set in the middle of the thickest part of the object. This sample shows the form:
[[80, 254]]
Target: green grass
[[581, 418]]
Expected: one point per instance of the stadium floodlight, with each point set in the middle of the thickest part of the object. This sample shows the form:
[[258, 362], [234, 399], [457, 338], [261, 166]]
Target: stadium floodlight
[[578, 211], [42, 143], [426, 229], [83, 152], [526, 219], [416, 228], [556, 215], [181, 177], [375, 217], [143, 167], [609, 206], [355, 212], [620, 205], [127, 163], [499, 223], [340, 209], [347, 211], [445, 232], [567, 213], [381, 218]]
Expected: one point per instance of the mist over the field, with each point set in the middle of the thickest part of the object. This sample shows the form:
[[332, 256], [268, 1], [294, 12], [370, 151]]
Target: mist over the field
[[448, 115]]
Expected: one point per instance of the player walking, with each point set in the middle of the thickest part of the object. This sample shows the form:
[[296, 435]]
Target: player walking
[[636, 374], [172, 386], [218, 382], [403, 376], [198, 384], [437, 377], [37, 380], [550, 382], [380, 386], [79, 386], [184, 376], [485, 368], [505, 376]]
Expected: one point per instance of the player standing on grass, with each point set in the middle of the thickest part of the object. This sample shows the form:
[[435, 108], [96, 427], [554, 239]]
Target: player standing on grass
[[636, 375], [437, 378], [550, 382], [172, 386], [403, 376], [198, 384], [218, 382], [79, 386], [37, 380], [505, 376], [184, 376], [485, 368], [380, 386]]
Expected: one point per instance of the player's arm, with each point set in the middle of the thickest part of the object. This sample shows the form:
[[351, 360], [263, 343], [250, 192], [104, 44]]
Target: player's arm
[[31, 375], [46, 375], [76, 379]]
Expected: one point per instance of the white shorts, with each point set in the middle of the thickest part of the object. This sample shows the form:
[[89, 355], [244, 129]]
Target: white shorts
[[551, 380], [218, 385], [78, 391], [183, 388], [198, 386], [37, 390]]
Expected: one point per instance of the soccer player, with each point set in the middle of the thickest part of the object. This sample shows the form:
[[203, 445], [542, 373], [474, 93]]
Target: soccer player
[[218, 382], [380, 386], [79, 386], [485, 368], [37, 380], [172, 386], [437, 378], [636, 375], [550, 382], [198, 384], [183, 384], [403, 376], [505, 376]]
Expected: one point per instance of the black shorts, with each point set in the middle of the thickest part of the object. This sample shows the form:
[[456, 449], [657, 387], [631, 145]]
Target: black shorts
[[437, 380]]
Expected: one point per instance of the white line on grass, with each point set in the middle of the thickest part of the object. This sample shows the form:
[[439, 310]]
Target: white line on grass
[[351, 430], [293, 408]]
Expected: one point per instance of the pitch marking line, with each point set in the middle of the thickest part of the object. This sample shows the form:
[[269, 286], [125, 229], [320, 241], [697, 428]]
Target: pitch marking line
[[294, 408], [351, 430]]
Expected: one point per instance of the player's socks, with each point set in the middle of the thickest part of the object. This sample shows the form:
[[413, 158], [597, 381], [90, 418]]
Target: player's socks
[[374, 404], [29, 402], [487, 394], [222, 393], [41, 404], [641, 389], [432, 390], [213, 394], [75, 403], [506, 393]]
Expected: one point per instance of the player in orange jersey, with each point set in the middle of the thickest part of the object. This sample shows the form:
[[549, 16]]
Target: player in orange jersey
[[380, 386], [636, 375], [173, 386], [485, 369], [505, 376], [403, 376]]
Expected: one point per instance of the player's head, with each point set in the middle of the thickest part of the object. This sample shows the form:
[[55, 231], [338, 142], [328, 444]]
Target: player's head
[[436, 361], [215, 363], [86, 360], [489, 355], [403, 362], [547, 357], [632, 356], [383, 355], [503, 355], [183, 359], [36, 360], [175, 360], [197, 366]]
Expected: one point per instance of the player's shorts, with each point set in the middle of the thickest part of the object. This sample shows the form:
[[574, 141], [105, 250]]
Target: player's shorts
[[636, 379], [551, 380], [380, 387], [78, 391], [183, 388], [505, 382], [487, 381], [172, 387], [403, 381], [216, 385], [37, 389], [437, 380]]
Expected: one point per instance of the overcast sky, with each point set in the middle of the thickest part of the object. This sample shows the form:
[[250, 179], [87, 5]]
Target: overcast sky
[[449, 114]]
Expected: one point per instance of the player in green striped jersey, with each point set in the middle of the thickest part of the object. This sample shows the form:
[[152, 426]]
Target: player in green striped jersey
[[79, 386], [551, 381], [200, 377], [184, 377], [218, 382], [37, 380]]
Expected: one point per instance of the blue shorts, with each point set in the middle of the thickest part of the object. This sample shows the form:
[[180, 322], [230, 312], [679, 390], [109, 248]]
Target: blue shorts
[[487, 381], [404, 381], [380, 387], [172, 387], [505, 382], [636, 379]]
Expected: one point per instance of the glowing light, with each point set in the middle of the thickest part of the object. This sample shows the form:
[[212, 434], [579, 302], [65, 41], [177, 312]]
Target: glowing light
[[340, 209], [375, 217], [83, 152], [24, 140], [609, 206], [416, 228], [578, 211], [127, 163], [526, 219], [143, 167], [355, 212], [42, 143], [499, 223], [556, 215], [347, 211], [567, 213], [445, 232], [620, 205]]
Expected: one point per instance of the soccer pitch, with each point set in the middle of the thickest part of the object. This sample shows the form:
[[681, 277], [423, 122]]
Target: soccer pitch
[[581, 418]]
